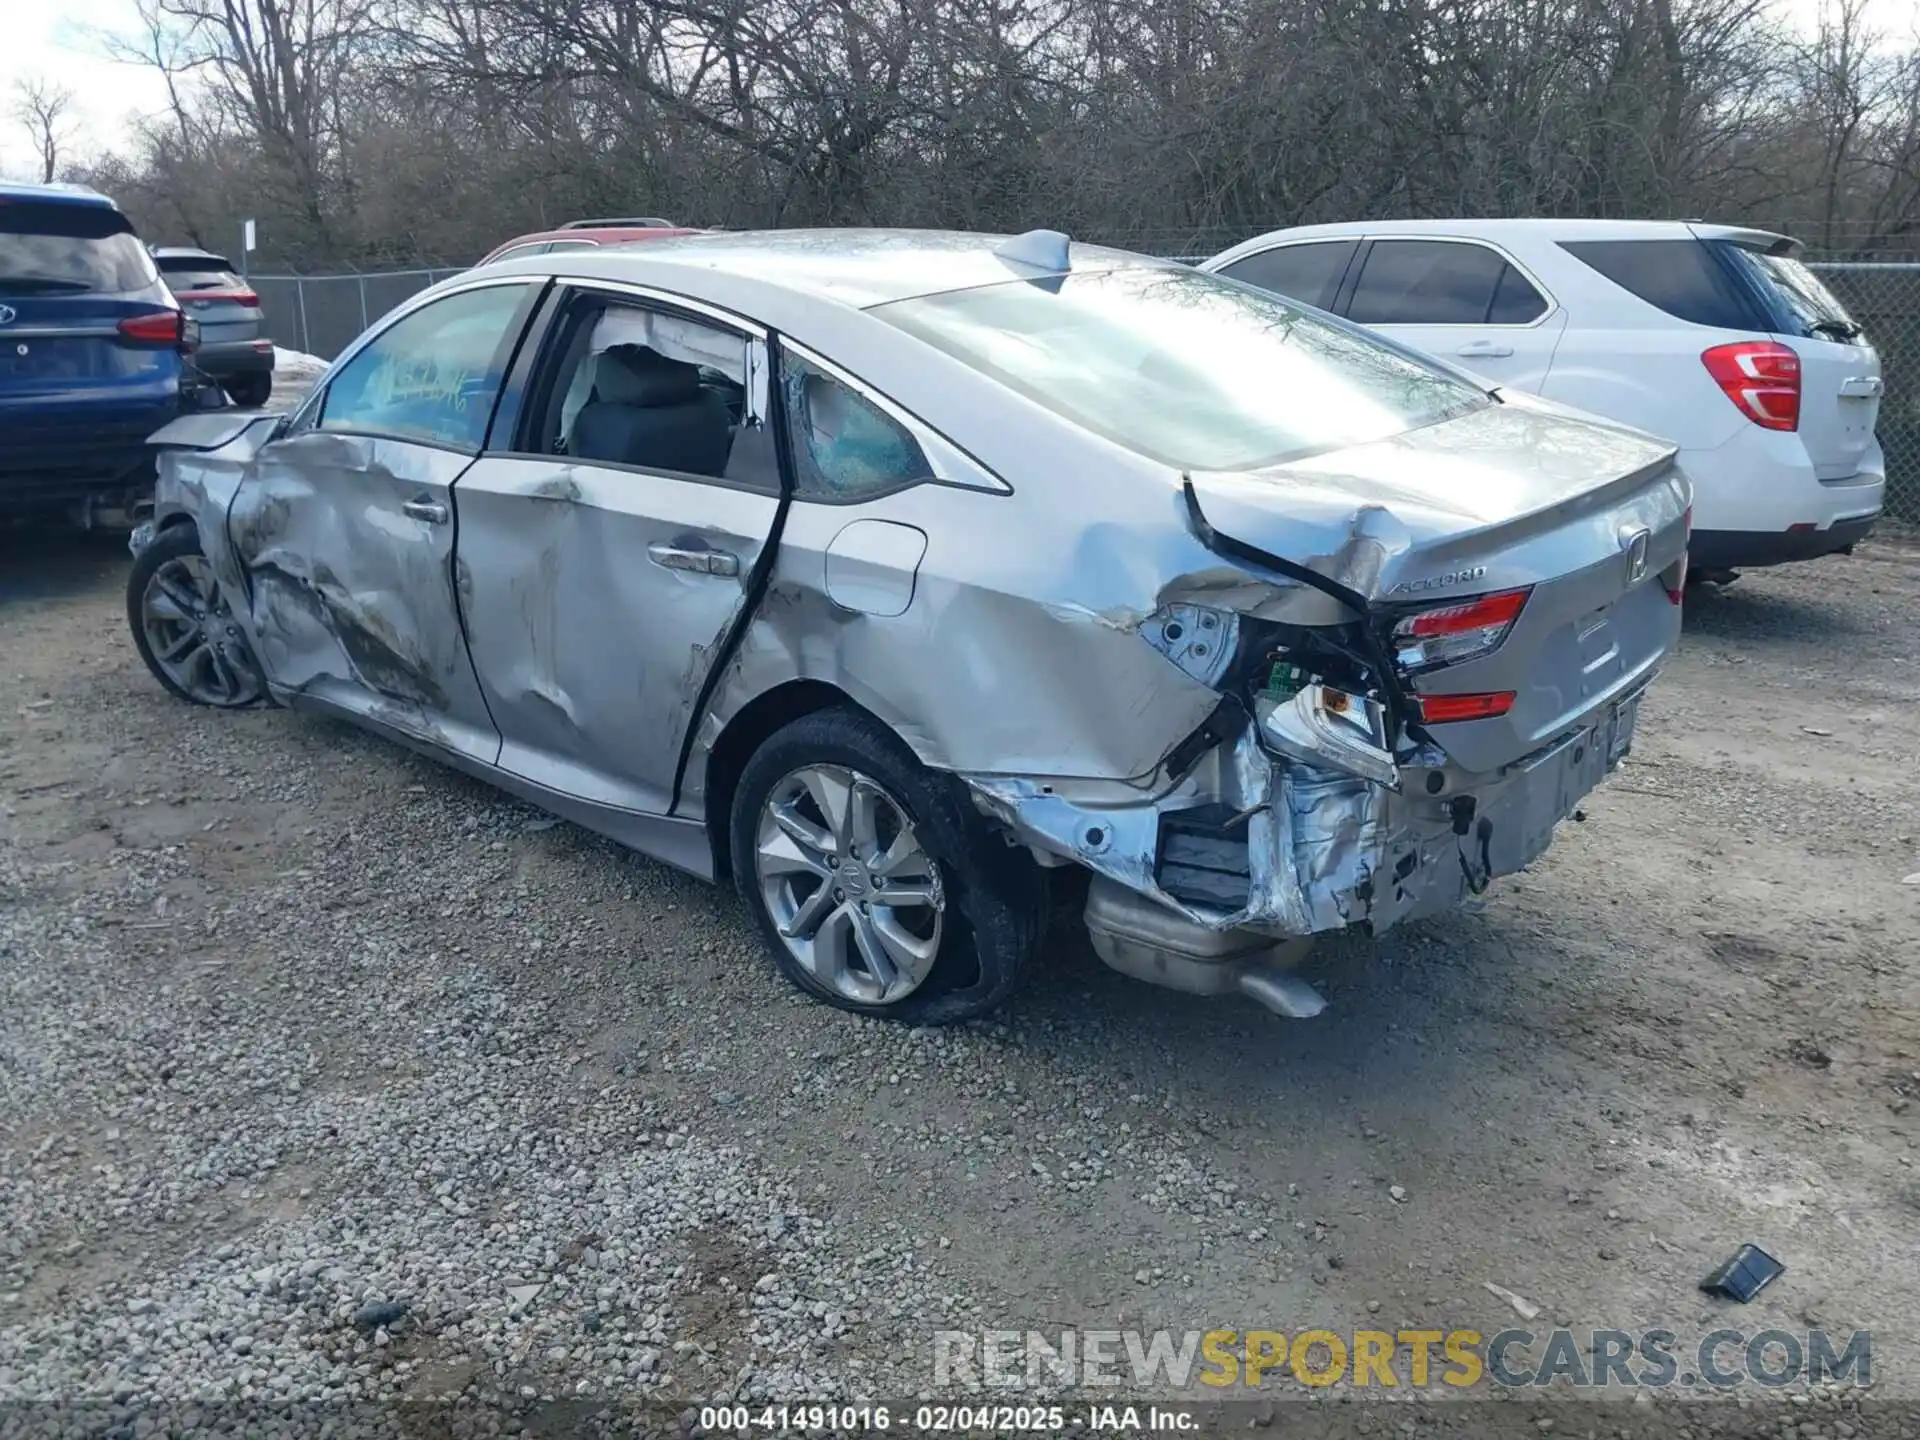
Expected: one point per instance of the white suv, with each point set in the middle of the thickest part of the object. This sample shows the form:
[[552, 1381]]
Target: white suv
[[1716, 338]]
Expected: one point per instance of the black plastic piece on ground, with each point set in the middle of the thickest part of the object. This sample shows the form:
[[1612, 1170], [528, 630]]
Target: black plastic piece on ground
[[1749, 1272]]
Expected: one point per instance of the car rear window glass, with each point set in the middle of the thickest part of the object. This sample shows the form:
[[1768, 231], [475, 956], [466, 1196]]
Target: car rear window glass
[[1426, 282], [197, 275], [50, 248], [1804, 305], [1681, 277], [844, 446], [1515, 301], [1185, 367], [1309, 273]]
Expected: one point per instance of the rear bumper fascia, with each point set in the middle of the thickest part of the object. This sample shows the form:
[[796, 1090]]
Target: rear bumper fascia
[[1312, 849], [233, 357], [49, 476], [1752, 549]]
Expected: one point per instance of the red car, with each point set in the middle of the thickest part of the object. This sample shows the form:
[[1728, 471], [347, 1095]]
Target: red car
[[585, 234]]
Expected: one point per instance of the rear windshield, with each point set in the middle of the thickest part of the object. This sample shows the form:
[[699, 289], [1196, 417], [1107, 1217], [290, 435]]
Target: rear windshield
[[1806, 307], [1184, 367], [50, 249], [197, 275]]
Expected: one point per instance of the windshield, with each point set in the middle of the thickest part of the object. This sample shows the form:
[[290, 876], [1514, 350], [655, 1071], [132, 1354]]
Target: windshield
[[1812, 308], [1190, 369], [54, 248]]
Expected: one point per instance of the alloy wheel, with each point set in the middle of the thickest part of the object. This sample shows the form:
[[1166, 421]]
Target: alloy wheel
[[193, 636], [855, 898]]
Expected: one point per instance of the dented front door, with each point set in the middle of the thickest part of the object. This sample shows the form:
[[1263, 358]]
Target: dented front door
[[344, 528], [600, 579]]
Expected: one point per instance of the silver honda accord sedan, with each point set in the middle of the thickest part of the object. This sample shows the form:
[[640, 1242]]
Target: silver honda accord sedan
[[908, 578]]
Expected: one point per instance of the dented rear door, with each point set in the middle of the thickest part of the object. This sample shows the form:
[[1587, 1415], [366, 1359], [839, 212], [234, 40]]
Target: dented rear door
[[344, 528], [600, 578]]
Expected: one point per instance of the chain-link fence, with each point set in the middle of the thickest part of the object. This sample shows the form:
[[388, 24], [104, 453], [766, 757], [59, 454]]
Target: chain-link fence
[[321, 314]]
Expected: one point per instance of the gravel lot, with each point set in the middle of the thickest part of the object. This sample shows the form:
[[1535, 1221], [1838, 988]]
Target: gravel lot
[[294, 1025]]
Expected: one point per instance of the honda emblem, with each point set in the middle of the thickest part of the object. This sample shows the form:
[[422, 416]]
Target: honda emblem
[[1636, 547]]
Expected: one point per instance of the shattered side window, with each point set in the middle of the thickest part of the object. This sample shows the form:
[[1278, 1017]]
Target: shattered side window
[[844, 446], [432, 376]]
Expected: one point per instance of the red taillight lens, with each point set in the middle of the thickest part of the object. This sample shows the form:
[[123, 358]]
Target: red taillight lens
[[1459, 632], [1762, 378], [229, 297], [1438, 709], [163, 327]]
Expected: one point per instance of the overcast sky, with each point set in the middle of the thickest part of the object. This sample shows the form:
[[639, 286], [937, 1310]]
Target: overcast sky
[[64, 42]]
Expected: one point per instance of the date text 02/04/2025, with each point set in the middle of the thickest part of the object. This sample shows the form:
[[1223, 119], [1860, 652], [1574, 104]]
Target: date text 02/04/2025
[[936, 1419]]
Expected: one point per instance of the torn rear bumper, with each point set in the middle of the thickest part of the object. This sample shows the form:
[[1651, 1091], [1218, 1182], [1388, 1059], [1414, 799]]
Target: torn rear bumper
[[1252, 841]]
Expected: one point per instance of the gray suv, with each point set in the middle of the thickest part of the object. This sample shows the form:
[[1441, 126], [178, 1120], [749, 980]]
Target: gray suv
[[234, 348]]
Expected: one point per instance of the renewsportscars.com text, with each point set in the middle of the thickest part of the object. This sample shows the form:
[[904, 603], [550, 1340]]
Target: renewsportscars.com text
[[1164, 1360]]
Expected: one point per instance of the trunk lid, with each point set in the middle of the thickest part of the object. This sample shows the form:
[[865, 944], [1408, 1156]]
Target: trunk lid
[[1584, 515]]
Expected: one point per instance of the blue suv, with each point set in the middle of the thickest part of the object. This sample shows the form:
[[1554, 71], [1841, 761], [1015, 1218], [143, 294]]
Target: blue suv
[[94, 355]]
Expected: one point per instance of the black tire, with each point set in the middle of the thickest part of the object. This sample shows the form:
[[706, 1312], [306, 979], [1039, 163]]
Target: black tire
[[250, 392], [181, 542], [995, 896]]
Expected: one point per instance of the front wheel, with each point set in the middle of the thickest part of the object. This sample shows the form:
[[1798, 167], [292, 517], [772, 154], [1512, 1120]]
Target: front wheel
[[183, 627], [877, 887]]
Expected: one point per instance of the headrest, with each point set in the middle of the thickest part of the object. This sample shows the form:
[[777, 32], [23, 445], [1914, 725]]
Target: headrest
[[637, 375]]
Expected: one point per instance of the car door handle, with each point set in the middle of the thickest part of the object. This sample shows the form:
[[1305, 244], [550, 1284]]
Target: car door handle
[[701, 562], [1484, 350], [431, 511]]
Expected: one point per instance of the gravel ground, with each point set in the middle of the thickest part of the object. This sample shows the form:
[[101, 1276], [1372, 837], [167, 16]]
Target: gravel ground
[[327, 1074]]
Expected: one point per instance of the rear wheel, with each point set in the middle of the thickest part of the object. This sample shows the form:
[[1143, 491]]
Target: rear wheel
[[250, 391], [876, 885], [183, 627]]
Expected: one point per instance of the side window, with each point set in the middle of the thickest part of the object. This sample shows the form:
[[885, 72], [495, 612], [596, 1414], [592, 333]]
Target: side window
[[433, 375], [1426, 282], [1309, 273], [633, 385], [1681, 277], [1515, 301], [557, 246], [521, 252], [845, 447]]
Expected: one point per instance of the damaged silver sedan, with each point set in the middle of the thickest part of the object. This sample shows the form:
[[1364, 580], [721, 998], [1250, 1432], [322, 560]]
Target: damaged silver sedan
[[902, 577]]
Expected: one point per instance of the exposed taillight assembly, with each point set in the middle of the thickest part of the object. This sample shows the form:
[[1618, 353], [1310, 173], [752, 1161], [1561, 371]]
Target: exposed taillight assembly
[[1486, 705], [1452, 633], [163, 327], [1762, 378]]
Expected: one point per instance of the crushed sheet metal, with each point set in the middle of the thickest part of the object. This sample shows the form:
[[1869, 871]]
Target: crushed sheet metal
[[379, 615], [1324, 850], [1197, 638]]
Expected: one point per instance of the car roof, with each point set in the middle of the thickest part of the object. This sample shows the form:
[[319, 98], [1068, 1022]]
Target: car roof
[[59, 193], [1530, 228], [860, 268], [601, 234]]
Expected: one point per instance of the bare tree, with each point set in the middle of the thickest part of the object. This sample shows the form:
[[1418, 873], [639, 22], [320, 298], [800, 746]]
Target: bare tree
[[45, 110], [387, 131]]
